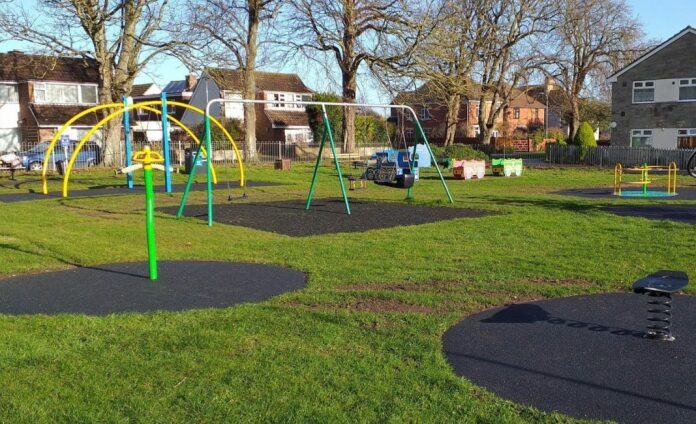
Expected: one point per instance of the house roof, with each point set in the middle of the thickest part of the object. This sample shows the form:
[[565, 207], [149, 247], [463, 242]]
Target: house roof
[[175, 87], [17, 66], [522, 99], [651, 52], [140, 89], [59, 114], [281, 118], [228, 79]]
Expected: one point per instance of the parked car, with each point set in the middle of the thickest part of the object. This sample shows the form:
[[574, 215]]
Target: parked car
[[89, 155]]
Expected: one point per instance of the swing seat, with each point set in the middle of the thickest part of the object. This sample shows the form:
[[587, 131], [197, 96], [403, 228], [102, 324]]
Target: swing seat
[[355, 183], [402, 181]]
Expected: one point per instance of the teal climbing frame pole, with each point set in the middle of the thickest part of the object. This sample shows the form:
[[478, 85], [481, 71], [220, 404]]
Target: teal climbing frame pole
[[189, 181], [329, 132], [430, 151], [208, 169]]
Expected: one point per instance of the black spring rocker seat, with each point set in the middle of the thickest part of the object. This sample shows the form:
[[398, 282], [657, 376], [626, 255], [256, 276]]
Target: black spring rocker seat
[[660, 286]]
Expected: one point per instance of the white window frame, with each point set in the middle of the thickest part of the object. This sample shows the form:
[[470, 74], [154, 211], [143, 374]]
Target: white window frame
[[516, 113], [642, 85], [425, 113], [477, 130], [283, 96], [644, 132], [690, 82], [16, 92], [45, 84]]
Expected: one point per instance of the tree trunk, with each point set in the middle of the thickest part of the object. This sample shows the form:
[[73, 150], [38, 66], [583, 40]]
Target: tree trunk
[[112, 150], [574, 123], [348, 127], [250, 83], [453, 106]]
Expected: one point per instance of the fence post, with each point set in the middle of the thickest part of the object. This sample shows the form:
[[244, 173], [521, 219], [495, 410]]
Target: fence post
[[280, 152]]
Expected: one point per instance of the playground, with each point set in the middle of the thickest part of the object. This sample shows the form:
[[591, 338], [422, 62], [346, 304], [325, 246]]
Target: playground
[[492, 300]]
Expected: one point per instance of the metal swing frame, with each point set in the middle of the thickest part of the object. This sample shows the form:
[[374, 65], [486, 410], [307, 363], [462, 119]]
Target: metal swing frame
[[327, 133]]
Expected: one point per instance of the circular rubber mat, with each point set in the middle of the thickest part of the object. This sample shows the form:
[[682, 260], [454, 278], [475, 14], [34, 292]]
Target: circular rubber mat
[[125, 287], [583, 356]]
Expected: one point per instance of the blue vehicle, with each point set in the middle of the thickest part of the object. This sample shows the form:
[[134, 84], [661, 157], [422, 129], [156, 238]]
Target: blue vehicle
[[392, 168], [32, 159]]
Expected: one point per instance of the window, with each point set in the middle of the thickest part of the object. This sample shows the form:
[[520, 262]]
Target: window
[[424, 113], [516, 113], [233, 110], [51, 92], [643, 91], [8, 93], [476, 110], [299, 136], [686, 138], [408, 133], [687, 89], [641, 138], [280, 97], [301, 98], [477, 130]]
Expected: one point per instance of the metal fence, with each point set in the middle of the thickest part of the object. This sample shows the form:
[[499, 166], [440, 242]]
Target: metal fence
[[92, 154], [609, 156]]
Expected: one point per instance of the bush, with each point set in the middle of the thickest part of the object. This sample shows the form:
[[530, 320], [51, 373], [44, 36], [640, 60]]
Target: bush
[[557, 135], [316, 117], [463, 152], [585, 138], [233, 126], [538, 137]]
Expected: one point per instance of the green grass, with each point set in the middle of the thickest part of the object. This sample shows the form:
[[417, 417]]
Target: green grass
[[360, 343]]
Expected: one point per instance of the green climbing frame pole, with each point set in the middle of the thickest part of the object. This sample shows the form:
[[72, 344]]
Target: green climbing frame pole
[[329, 132], [437, 167], [189, 181], [208, 169], [150, 220]]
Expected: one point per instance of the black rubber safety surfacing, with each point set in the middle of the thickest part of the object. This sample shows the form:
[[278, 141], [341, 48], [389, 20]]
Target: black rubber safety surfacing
[[125, 287], [583, 356], [679, 213], [120, 190], [683, 193], [326, 216]]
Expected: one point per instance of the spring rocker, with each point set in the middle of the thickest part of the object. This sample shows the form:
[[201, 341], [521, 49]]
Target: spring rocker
[[645, 180], [148, 160]]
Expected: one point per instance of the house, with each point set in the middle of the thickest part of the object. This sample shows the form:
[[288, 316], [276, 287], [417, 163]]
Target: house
[[654, 98], [555, 100], [522, 113], [147, 125], [275, 121], [38, 94]]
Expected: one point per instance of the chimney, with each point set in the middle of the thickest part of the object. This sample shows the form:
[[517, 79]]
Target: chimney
[[16, 52], [191, 81]]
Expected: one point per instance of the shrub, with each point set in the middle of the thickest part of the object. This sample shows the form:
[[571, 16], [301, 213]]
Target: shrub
[[233, 126], [316, 117], [464, 152], [585, 138], [557, 135], [538, 137]]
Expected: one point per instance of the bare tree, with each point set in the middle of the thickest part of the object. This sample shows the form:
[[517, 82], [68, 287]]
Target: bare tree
[[592, 39], [356, 32], [229, 33], [506, 31], [122, 37]]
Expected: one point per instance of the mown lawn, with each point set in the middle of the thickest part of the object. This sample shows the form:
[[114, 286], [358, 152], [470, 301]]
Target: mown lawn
[[360, 344]]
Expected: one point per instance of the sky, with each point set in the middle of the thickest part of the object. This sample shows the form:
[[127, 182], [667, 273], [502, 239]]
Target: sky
[[661, 19]]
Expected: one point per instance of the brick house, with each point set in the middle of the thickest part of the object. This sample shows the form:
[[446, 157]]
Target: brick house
[[274, 122], [147, 126], [522, 113], [654, 98], [38, 94]]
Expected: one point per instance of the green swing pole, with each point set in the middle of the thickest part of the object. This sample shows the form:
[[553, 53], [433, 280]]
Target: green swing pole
[[189, 181], [316, 170], [430, 151], [208, 170], [327, 130]]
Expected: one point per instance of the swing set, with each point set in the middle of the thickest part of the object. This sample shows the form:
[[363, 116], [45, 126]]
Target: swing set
[[327, 134]]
